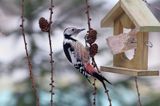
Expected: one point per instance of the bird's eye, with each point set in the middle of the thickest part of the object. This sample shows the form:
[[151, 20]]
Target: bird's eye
[[73, 29]]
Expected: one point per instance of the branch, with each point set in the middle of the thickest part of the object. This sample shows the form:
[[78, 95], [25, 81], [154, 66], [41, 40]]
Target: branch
[[45, 26], [88, 16], [94, 93], [27, 55], [138, 93], [109, 99], [51, 52], [89, 28], [90, 38]]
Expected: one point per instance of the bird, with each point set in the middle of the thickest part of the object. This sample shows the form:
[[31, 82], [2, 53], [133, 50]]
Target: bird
[[78, 55]]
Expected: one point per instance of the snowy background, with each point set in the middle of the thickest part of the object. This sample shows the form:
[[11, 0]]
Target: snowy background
[[71, 88]]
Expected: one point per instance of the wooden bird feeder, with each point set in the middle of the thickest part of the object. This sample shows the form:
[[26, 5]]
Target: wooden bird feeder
[[132, 14]]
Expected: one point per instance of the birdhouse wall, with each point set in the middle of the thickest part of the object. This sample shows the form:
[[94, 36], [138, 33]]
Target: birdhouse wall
[[126, 22], [140, 60]]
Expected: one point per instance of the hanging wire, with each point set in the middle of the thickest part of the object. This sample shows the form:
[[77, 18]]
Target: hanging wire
[[138, 92], [27, 55]]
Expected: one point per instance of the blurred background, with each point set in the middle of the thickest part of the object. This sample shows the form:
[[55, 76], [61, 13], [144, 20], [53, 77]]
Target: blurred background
[[72, 89]]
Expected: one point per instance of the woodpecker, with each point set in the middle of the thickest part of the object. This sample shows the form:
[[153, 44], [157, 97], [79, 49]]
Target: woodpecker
[[78, 55]]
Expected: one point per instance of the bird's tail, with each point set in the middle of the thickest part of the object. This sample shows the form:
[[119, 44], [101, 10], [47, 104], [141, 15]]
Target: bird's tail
[[90, 69], [101, 78]]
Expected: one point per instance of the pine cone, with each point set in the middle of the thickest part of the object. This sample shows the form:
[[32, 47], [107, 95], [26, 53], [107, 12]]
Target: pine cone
[[91, 38], [93, 49], [43, 24]]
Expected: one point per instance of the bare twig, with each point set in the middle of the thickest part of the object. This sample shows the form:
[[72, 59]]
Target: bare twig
[[138, 93], [95, 64], [27, 55], [89, 28], [94, 93], [51, 52], [109, 99], [92, 57], [88, 16]]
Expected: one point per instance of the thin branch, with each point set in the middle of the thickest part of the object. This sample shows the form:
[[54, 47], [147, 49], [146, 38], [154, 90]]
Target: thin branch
[[94, 93], [138, 92], [109, 99], [27, 55], [92, 57], [89, 28], [95, 64], [88, 16], [51, 52]]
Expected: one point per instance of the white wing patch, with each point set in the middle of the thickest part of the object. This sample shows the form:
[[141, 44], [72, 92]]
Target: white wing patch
[[73, 57]]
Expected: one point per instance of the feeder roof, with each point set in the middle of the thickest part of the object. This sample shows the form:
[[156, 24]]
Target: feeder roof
[[137, 11]]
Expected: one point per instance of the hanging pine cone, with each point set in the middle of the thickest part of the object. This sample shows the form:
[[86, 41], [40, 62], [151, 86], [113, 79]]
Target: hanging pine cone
[[43, 24], [93, 49], [92, 36]]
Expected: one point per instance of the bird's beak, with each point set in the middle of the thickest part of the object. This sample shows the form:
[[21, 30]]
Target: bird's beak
[[79, 30]]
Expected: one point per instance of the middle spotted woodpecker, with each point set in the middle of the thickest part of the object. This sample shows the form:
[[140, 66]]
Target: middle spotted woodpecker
[[78, 55]]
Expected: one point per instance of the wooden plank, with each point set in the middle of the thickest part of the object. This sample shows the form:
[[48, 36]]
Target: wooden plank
[[141, 55], [140, 15], [118, 29], [131, 72], [110, 17], [150, 29]]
